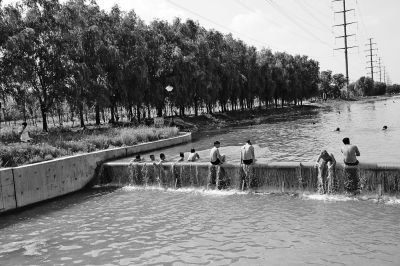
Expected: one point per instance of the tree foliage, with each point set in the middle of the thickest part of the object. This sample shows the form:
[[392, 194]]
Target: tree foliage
[[78, 55]]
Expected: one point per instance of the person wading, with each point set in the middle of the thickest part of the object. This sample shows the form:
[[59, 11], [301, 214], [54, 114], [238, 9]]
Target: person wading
[[326, 160], [247, 159]]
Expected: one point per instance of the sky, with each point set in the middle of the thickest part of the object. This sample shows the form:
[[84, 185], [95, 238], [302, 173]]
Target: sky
[[302, 27]]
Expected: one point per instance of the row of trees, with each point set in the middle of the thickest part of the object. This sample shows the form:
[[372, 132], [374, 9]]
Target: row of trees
[[74, 54]]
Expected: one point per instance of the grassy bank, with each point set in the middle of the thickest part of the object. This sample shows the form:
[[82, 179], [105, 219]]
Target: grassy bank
[[66, 141], [256, 116]]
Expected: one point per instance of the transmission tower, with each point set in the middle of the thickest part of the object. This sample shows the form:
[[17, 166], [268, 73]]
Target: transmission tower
[[384, 74], [371, 57], [380, 69], [345, 35]]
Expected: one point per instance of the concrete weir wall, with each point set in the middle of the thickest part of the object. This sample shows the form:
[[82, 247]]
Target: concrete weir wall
[[28, 184], [287, 177]]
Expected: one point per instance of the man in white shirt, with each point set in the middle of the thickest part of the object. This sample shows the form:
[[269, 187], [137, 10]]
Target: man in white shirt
[[215, 157], [247, 153], [193, 156]]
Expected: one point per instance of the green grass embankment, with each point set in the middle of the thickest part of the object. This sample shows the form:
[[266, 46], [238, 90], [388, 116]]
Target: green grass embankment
[[66, 141]]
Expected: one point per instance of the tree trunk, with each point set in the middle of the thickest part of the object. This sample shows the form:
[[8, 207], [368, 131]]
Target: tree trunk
[[138, 113], [97, 110], [196, 111], [112, 120], [81, 114], [159, 110], [43, 109]]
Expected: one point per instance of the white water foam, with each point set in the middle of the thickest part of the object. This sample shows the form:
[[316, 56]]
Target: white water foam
[[332, 198], [325, 197], [200, 191], [304, 196], [31, 247]]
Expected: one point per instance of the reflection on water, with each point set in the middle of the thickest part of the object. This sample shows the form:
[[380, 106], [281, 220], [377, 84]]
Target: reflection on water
[[302, 139], [136, 226]]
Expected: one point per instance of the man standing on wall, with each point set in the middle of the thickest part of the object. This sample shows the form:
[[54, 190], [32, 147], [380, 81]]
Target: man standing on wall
[[247, 159], [216, 174], [350, 153]]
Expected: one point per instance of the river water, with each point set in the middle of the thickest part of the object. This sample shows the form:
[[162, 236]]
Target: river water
[[152, 226], [301, 138], [137, 226]]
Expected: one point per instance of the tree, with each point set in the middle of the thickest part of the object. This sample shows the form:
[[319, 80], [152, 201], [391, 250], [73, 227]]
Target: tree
[[339, 82], [36, 50]]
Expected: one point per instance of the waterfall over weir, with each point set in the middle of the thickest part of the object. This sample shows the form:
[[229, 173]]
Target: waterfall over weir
[[271, 177]]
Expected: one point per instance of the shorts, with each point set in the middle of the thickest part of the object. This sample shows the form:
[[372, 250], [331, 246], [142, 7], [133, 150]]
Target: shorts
[[247, 162], [217, 162]]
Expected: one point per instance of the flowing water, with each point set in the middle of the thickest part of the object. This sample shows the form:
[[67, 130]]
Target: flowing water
[[302, 138], [154, 226], [138, 226]]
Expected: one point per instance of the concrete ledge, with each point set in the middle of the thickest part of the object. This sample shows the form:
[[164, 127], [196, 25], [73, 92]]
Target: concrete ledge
[[279, 176], [28, 184], [7, 190]]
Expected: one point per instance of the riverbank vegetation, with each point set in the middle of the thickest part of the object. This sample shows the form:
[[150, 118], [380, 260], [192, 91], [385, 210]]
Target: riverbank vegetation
[[73, 59], [73, 63], [60, 142]]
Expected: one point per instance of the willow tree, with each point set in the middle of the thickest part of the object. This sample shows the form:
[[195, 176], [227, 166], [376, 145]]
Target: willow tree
[[37, 50]]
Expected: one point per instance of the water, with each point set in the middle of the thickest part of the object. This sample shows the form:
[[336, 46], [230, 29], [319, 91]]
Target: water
[[137, 226], [302, 138], [153, 226]]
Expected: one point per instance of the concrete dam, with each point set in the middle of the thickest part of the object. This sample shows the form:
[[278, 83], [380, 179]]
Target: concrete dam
[[266, 177]]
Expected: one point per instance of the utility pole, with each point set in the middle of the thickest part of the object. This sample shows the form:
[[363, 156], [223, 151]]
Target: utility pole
[[380, 70], [345, 35], [371, 57], [384, 74]]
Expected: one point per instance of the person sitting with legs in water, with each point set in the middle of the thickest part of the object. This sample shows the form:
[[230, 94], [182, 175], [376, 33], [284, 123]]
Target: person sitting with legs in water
[[193, 156], [215, 157], [350, 153], [163, 159], [181, 157], [326, 159], [247, 158], [137, 158]]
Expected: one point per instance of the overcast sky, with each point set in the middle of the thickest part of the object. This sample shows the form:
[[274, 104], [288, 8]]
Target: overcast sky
[[294, 26]]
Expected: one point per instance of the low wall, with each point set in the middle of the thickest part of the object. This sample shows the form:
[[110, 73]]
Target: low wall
[[28, 184], [267, 177]]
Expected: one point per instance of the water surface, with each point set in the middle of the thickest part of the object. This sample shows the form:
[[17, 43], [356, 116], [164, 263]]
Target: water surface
[[302, 138], [136, 226]]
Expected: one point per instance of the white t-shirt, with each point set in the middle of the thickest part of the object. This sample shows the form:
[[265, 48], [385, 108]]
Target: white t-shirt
[[214, 154], [248, 152]]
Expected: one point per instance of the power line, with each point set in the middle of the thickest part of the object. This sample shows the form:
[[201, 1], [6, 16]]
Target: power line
[[282, 11], [359, 13], [218, 24], [311, 14], [272, 21]]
